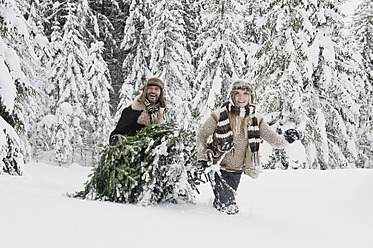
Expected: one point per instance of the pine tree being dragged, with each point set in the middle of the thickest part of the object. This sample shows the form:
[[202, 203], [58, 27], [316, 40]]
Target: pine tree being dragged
[[150, 168]]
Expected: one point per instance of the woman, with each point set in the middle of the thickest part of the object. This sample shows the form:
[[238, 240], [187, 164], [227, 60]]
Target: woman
[[237, 130]]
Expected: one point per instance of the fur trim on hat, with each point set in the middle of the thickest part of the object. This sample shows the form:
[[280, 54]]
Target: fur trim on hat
[[153, 81], [144, 118]]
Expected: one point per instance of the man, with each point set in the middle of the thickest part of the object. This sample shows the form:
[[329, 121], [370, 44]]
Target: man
[[145, 110]]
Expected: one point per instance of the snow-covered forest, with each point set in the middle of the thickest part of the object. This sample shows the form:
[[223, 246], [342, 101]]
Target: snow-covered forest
[[68, 68]]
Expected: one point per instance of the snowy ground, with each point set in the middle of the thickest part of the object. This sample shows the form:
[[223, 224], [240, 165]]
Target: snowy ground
[[281, 209]]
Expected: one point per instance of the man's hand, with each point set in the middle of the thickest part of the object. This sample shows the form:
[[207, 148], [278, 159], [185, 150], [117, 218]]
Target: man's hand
[[201, 167], [291, 135]]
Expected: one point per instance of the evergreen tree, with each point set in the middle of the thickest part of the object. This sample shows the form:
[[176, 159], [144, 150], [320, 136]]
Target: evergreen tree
[[45, 127], [111, 19], [170, 60], [191, 12], [14, 85], [192, 19], [69, 84], [11, 157], [282, 70], [304, 78], [24, 38], [64, 131], [135, 44], [253, 13], [37, 104], [44, 12], [222, 53], [333, 80], [97, 124], [79, 88], [153, 167], [362, 32]]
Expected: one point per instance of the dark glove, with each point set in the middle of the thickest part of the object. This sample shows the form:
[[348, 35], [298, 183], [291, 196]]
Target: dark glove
[[201, 167], [291, 135]]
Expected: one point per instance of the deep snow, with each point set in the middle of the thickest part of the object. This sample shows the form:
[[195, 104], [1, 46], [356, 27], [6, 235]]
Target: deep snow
[[299, 208]]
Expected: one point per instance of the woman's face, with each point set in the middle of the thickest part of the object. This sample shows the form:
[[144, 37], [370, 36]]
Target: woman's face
[[241, 98]]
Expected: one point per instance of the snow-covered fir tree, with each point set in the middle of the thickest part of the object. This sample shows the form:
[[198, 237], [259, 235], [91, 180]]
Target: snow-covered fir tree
[[154, 166], [282, 70], [11, 157], [97, 124], [361, 33], [170, 60], [192, 16], [27, 38], [111, 19], [334, 80], [68, 83], [71, 91], [221, 56], [253, 11], [136, 46], [305, 79], [14, 85], [38, 104], [47, 125]]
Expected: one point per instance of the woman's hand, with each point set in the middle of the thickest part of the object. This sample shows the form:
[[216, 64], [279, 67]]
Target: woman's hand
[[201, 167], [291, 135]]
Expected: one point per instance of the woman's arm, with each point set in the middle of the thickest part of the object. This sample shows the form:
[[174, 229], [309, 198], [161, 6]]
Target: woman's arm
[[273, 138], [206, 130]]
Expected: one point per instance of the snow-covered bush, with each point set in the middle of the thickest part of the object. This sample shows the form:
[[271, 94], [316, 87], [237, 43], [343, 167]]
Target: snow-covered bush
[[150, 168], [11, 157]]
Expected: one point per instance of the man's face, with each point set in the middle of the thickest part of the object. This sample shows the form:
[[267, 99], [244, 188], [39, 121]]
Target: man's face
[[153, 93]]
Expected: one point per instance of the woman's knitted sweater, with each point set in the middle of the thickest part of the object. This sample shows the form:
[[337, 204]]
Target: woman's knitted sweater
[[236, 158]]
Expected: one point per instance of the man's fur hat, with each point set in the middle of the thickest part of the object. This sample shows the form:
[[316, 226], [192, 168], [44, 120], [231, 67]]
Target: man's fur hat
[[157, 82]]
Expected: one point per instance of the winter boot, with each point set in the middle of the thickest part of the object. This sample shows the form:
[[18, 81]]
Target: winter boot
[[232, 209]]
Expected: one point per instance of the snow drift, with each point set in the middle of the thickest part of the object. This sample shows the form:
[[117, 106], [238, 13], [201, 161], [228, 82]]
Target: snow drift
[[299, 208]]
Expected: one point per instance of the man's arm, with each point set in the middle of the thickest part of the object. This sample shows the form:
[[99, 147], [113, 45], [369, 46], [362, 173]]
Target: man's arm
[[127, 124]]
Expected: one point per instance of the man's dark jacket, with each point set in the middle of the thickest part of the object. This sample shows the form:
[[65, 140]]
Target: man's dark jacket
[[133, 119], [127, 124]]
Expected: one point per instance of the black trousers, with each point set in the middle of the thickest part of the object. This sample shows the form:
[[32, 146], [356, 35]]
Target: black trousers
[[224, 195]]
